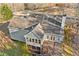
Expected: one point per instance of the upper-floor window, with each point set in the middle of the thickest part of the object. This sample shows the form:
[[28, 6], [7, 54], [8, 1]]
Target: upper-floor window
[[32, 40], [51, 38], [33, 47], [39, 41], [47, 37], [27, 39], [35, 40], [58, 38]]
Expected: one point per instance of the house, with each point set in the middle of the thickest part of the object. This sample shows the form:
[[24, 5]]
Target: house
[[37, 27]]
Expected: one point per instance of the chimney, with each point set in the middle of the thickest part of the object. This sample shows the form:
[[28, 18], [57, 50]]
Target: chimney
[[63, 21]]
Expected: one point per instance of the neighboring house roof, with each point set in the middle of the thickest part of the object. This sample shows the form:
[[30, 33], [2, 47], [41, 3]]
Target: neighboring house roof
[[42, 14], [55, 19]]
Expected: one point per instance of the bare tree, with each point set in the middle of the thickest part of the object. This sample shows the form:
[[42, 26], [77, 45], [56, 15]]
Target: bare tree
[[48, 47]]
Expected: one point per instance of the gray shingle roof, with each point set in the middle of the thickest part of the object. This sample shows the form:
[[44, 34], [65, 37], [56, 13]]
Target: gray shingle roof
[[38, 32], [20, 22], [46, 27], [50, 28]]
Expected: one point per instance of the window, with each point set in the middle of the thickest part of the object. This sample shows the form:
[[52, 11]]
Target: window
[[54, 38], [27, 38], [58, 38], [39, 41], [35, 40], [38, 48], [51, 37], [32, 40], [33, 47], [37, 52], [47, 37], [33, 54]]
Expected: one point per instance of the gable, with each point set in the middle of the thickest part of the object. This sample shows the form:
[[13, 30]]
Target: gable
[[31, 35]]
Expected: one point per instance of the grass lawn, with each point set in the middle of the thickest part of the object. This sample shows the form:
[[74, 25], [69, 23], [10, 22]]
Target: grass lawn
[[23, 49], [20, 50]]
